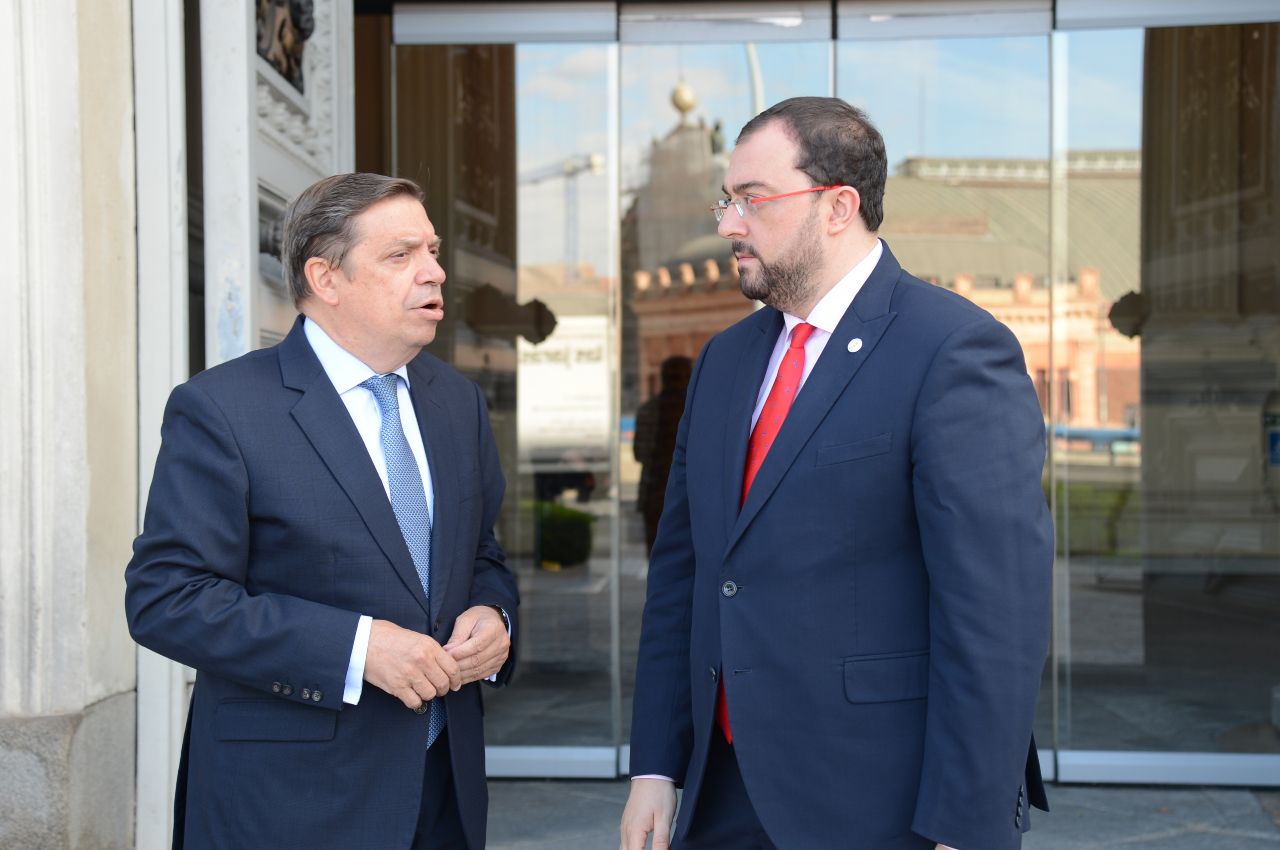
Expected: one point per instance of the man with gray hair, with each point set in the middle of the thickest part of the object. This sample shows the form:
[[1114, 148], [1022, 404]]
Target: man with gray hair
[[321, 519]]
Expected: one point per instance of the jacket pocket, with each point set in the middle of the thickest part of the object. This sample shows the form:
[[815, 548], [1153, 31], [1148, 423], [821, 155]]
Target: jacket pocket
[[887, 678], [272, 720], [858, 449]]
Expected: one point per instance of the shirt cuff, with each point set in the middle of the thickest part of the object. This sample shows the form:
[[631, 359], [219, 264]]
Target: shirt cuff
[[654, 776], [355, 669]]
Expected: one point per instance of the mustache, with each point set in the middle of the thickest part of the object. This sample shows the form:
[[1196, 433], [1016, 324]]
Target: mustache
[[743, 248]]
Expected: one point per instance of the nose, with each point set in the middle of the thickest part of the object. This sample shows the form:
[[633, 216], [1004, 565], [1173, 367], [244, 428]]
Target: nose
[[732, 225], [431, 271]]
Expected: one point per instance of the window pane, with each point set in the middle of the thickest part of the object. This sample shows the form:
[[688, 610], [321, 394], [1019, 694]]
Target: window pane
[[966, 128], [682, 106], [514, 148], [1169, 514]]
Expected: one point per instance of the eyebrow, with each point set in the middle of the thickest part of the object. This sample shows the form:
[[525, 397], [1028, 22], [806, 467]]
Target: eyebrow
[[743, 188], [412, 242]]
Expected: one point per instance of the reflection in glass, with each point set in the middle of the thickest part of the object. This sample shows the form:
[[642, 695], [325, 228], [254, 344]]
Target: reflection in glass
[[512, 146], [1173, 539], [682, 105], [966, 203]]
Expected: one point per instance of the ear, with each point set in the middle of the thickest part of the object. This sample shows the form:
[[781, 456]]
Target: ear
[[322, 278], [845, 205]]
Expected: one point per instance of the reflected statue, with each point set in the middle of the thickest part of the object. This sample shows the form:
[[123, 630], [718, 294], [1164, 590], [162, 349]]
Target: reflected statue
[[655, 440]]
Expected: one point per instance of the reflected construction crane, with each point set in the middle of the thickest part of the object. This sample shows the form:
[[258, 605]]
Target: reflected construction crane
[[569, 169]]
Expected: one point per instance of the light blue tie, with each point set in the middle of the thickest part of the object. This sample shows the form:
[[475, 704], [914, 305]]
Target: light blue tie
[[409, 501]]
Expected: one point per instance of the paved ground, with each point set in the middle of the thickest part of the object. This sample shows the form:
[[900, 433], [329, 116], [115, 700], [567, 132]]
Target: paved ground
[[583, 815]]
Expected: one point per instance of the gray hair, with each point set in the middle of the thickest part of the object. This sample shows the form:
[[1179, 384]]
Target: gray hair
[[321, 222]]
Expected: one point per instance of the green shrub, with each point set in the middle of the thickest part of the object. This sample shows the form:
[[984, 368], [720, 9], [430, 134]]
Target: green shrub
[[564, 534]]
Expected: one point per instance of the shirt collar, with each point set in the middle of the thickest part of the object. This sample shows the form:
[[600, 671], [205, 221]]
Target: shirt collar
[[344, 369], [828, 312]]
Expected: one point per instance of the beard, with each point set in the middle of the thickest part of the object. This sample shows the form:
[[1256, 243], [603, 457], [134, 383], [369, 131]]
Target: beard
[[787, 282]]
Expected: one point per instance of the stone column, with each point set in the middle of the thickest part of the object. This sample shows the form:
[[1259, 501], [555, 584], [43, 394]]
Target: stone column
[[68, 429]]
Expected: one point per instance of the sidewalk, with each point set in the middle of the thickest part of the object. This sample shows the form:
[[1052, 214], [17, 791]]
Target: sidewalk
[[583, 815]]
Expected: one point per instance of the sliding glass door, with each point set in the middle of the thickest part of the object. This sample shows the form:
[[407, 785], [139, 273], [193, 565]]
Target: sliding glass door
[[1109, 190]]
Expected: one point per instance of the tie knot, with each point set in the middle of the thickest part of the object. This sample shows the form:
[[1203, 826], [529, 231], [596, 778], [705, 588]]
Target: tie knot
[[383, 388], [800, 334]]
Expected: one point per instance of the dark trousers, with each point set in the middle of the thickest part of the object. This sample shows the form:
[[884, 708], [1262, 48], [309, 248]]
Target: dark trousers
[[439, 824], [723, 818]]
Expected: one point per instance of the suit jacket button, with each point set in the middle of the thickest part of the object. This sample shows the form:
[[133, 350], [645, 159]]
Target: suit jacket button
[[729, 589], [315, 696], [275, 687], [287, 690], [713, 674], [306, 693], [422, 709]]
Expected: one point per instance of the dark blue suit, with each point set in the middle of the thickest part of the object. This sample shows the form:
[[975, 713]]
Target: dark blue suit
[[267, 534], [879, 607]]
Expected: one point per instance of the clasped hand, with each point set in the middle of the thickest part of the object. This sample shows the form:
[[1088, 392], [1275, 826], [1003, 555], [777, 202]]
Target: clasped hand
[[414, 668]]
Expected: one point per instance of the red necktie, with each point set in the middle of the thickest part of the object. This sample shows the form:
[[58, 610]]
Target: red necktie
[[783, 392]]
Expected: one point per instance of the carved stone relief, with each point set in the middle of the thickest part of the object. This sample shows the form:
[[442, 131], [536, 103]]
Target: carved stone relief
[[283, 28], [302, 120]]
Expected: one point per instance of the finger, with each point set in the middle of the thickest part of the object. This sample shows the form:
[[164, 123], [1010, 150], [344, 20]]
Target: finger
[[437, 682], [462, 628], [487, 660], [409, 697], [633, 836], [452, 669], [463, 650], [661, 832]]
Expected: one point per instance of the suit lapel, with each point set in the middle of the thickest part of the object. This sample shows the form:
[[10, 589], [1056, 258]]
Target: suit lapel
[[437, 436], [323, 417], [746, 389], [866, 319]]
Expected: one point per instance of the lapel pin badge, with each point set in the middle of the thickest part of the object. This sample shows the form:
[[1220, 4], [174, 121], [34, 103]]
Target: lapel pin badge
[[855, 344]]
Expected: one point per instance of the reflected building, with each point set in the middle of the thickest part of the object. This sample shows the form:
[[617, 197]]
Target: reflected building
[[976, 226]]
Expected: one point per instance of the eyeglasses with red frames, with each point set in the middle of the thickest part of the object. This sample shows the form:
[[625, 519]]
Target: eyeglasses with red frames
[[721, 206]]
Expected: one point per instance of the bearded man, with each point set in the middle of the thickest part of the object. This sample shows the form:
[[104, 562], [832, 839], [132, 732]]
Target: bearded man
[[849, 593]]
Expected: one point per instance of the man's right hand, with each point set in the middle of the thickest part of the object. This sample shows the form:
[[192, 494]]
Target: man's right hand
[[651, 807], [410, 666]]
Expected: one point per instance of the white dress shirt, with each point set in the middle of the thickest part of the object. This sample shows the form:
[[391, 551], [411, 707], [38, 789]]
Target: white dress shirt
[[348, 372]]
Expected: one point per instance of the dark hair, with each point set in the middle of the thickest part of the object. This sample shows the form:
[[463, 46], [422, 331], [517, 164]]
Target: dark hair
[[675, 369], [839, 146], [321, 221]]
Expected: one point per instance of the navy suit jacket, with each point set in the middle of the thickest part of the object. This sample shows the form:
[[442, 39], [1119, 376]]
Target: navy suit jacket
[[878, 609], [267, 534]]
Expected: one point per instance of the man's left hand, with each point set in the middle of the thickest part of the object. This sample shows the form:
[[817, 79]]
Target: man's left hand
[[479, 643]]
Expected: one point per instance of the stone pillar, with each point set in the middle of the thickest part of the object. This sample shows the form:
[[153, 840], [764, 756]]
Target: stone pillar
[[68, 432]]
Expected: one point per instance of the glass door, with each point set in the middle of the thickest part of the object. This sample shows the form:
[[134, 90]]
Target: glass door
[[1109, 194], [967, 201], [686, 91], [514, 142]]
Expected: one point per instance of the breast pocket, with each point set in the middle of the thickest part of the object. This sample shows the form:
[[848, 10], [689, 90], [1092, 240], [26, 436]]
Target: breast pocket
[[857, 450]]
